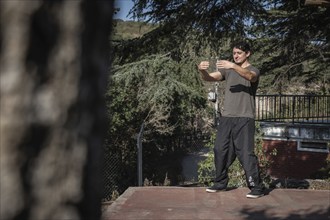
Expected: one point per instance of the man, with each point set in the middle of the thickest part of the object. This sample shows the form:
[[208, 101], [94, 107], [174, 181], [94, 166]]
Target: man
[[236, 127]]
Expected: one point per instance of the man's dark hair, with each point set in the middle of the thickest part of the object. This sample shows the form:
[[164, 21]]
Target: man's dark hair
[[242, 45]]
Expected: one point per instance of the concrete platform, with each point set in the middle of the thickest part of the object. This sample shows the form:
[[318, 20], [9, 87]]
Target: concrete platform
[[194, 203]]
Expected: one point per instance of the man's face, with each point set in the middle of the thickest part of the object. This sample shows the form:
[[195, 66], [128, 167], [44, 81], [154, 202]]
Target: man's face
[[240, 56]]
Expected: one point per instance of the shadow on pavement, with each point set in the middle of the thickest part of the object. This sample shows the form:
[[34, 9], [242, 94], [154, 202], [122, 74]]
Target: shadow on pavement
[[314, 213]]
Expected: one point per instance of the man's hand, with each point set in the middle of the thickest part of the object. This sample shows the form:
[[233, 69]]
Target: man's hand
[[245, 73], [215, 76], [204, 65], [225, 64]]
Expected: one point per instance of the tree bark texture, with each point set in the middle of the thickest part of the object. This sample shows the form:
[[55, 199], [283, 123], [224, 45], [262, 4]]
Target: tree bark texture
[[54, 66]]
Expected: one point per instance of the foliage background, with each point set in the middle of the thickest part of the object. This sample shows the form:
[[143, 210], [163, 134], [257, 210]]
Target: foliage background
[[155, 80]]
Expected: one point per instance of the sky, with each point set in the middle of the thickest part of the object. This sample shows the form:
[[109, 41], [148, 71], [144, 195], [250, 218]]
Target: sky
[[125, 6]]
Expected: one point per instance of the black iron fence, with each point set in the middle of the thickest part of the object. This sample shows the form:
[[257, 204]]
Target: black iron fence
[[293, 108]]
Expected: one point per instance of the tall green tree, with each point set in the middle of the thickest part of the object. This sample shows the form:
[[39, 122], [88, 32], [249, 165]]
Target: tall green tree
[[297, 44], [160, 93], [291, 38], [204, 24]]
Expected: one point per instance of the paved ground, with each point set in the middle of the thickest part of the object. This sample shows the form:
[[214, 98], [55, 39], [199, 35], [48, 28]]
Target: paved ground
[[194, 203]]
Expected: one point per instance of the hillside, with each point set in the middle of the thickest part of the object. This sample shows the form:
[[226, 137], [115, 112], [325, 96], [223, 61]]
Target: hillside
[[125, 30]]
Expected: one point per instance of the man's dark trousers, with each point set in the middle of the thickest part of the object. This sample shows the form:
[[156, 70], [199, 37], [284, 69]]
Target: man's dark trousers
[[235, 137]]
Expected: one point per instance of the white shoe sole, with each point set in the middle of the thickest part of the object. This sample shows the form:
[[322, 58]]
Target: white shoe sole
[[254, 196], [214, 190]]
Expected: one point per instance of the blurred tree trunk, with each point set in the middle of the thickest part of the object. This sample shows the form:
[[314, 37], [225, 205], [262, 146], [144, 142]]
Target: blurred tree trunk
[[54, 62]]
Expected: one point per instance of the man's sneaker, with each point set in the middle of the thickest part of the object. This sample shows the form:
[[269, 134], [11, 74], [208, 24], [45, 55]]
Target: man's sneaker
[[216, 188], [255, 193]]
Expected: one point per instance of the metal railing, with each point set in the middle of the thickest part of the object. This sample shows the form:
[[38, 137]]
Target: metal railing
[[293, 108]]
